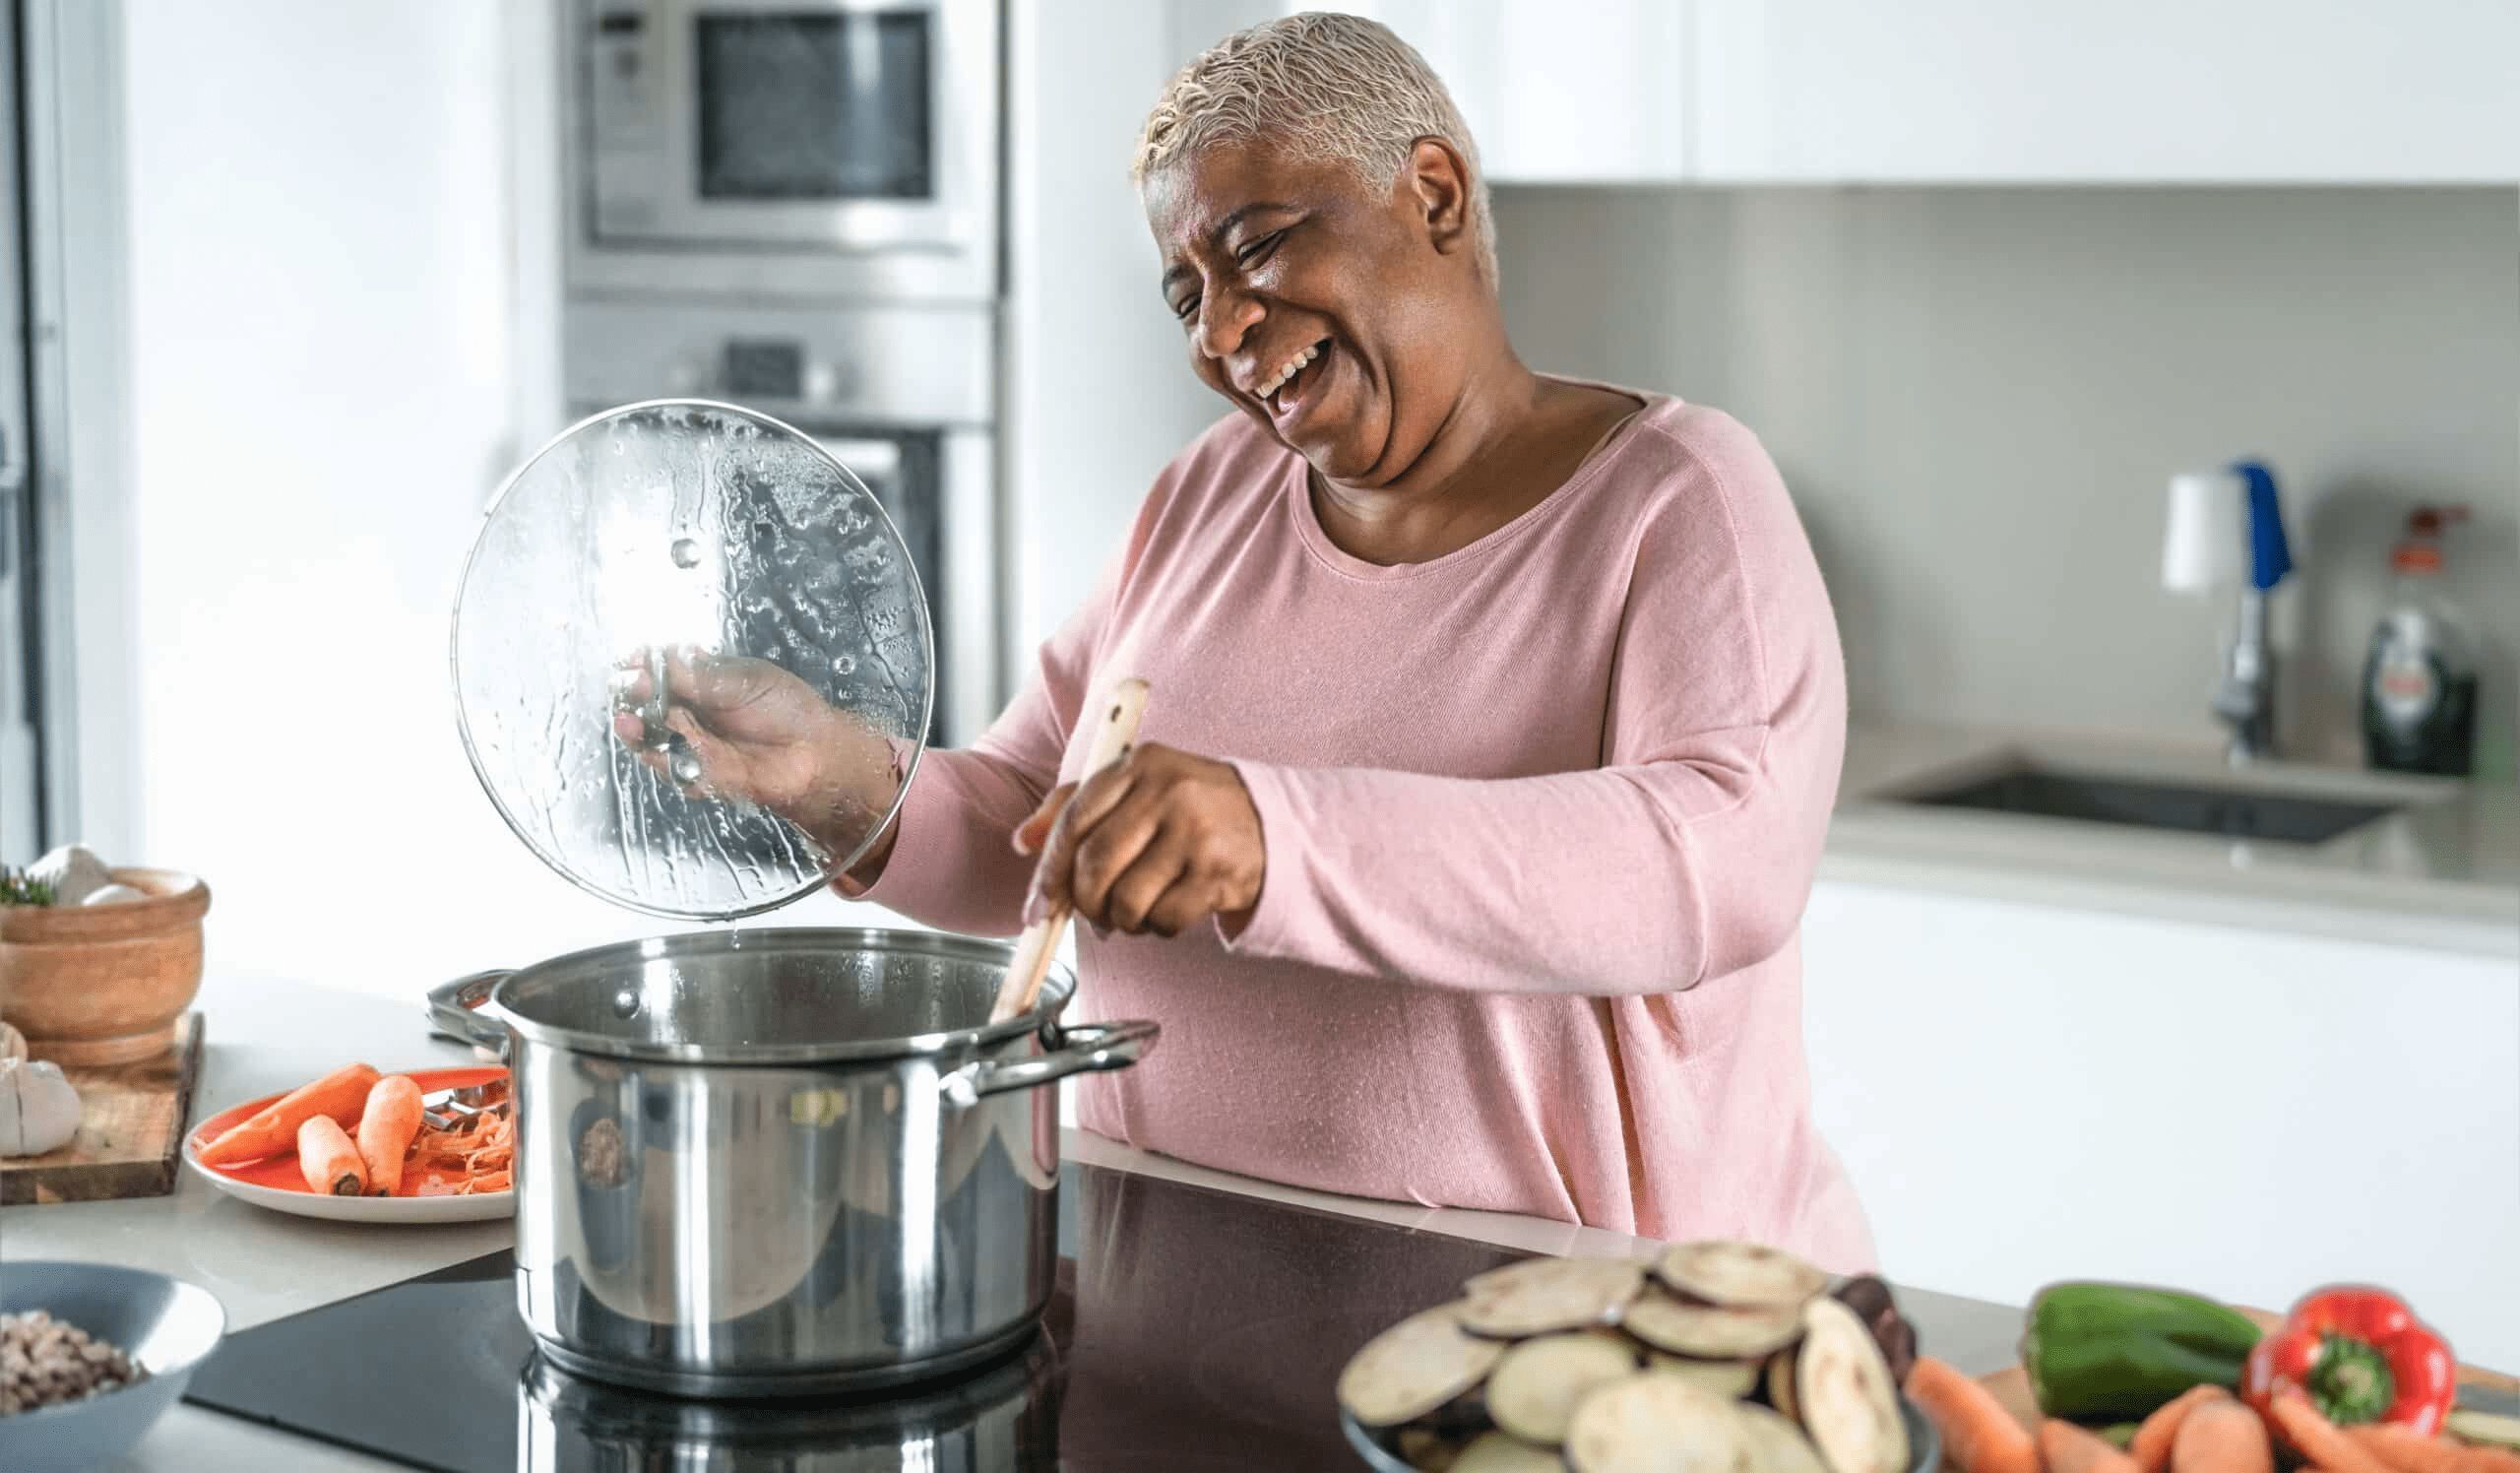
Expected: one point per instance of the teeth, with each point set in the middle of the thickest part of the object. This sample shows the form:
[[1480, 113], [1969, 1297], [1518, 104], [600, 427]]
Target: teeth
[[1290, 369]]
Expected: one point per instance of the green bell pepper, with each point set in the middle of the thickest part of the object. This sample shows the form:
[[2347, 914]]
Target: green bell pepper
[[2103, 1353]]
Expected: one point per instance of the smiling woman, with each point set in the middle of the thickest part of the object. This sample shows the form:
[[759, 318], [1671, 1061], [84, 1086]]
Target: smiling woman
[[1496, 717]]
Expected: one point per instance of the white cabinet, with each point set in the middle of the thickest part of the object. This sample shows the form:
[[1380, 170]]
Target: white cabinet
[[2105, 90], [2024, 1094], [1558, 91], [1978, 92]]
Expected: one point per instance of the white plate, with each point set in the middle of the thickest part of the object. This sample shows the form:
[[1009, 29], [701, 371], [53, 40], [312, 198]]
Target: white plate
[[471, 1207], [474, 1208]]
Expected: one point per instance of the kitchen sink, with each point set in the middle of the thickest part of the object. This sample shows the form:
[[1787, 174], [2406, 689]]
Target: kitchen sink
[[2235, 812]]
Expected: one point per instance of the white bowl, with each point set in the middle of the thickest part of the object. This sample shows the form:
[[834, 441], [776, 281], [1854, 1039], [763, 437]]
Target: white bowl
[[165, 1325]]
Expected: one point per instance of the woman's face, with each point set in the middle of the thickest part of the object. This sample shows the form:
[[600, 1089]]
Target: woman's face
[[1273, 264]]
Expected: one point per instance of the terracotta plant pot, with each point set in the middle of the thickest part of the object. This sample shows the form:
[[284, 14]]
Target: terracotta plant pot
[[104, 983]]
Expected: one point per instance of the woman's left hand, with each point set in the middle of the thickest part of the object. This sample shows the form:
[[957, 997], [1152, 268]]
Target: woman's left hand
[[1157, 842]]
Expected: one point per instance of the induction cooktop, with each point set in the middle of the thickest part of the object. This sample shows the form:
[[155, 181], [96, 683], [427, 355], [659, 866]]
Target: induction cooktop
[[1190, 1329]]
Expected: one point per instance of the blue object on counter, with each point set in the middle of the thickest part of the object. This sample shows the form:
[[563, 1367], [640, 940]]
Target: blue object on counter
[[2269, 556]]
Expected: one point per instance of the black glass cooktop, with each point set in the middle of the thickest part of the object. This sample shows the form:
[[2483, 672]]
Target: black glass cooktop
[[1190, 1329]]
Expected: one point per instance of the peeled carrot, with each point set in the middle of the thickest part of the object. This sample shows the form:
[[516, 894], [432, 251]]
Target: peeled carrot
[[2317, 1439], [1977, 1434], [2221, 1437], [2405, 1451], [327, 1160], [385, 1130], [339, 1095], [2064, 1448], [2152, 1444]]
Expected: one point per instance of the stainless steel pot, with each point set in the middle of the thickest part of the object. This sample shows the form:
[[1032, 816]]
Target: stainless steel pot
[[780, 1161]]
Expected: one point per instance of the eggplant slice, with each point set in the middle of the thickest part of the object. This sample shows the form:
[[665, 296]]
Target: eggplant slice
[[1777, 1445], [1496, 1452], [1543, 1296], [1426, 1449], [1708, 1332], [1414, 1368], [1730, 1379], [1847, 1401], [1534, 1390], [1780, 1386], [1656, 1423], [1742, 1275]]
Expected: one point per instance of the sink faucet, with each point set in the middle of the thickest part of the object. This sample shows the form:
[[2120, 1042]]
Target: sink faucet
[[2200, 553], [2245, 698]]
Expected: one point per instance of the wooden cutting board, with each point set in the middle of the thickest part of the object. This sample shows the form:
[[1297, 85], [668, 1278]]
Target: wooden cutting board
[[2011, 1385], [131, 1127]]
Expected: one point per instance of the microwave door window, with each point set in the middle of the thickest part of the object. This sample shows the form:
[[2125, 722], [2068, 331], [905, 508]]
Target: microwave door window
[[816, 106]]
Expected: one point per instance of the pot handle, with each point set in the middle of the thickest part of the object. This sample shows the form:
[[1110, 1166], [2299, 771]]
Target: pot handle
[[1072, 1050], [455, 1012]]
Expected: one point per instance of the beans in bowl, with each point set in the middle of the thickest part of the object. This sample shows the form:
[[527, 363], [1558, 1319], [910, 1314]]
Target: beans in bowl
[[45, 1360]]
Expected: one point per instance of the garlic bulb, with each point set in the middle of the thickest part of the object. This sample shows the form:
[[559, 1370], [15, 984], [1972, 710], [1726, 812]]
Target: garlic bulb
[[13, 1043], [74, 871], [39, 1110], [108, 894]]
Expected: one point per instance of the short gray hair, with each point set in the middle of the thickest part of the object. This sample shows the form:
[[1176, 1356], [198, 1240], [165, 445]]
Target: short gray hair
[[1334, 89]]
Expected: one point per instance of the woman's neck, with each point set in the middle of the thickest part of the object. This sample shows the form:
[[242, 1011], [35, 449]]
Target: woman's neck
[[1510, 438]]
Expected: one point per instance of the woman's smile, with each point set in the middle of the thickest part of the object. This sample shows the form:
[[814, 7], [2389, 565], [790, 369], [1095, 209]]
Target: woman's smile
[[1294, 387]]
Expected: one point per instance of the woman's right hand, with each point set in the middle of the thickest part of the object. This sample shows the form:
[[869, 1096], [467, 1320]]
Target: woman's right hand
[[763, 736]]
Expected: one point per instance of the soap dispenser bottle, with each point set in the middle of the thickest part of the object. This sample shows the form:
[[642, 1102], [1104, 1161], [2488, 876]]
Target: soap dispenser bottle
[[2419, 684]]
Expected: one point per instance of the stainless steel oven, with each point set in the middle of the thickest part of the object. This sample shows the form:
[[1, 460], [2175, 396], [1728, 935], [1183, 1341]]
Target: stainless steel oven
[[793, 148], [900, 395]]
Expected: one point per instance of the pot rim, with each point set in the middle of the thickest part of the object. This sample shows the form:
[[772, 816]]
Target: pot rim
[[1056, 989]]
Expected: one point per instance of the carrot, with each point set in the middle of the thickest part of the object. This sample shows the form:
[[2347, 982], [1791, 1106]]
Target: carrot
[[2317, 1439], [327, 1160], [2221, 1437], [498, 1181], [1977, 1434], [2404, 1452], [2488, 1460], [339, 1095], [2066, 1448], [385, 1131], [2152, 1444]]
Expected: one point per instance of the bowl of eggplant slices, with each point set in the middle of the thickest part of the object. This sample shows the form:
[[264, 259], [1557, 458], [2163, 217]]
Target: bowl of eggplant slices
[[1712, 1356]]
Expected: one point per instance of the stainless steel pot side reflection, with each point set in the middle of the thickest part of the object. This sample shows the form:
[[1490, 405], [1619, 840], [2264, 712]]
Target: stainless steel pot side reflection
[[1003, 1419], [780, 1161]]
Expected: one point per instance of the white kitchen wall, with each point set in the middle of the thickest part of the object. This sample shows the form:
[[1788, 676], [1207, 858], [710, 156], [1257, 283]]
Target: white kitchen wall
[[1977, 395], [328, 383], [323, 389], [1098, 390]]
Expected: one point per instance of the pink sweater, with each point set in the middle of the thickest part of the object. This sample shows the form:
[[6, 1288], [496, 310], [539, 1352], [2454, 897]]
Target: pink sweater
[[1541, 817]]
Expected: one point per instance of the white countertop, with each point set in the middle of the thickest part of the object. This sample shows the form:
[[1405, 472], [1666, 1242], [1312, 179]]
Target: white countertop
[[264, 1265], [2442, 874]]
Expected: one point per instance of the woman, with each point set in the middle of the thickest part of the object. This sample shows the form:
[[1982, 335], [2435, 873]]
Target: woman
[[1496, 717]]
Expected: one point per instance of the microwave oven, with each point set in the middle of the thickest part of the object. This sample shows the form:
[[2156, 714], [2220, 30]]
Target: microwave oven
[[785, 148]]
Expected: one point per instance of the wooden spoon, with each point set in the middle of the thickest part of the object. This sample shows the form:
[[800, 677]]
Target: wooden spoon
[[1113, 738]]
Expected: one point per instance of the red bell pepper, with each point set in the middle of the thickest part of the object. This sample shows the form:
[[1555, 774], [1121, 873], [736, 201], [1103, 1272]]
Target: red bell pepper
[[2361, 1356]]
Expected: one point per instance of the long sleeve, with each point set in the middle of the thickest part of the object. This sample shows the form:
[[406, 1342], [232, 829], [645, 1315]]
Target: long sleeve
[[952, 864], [1687, 854]]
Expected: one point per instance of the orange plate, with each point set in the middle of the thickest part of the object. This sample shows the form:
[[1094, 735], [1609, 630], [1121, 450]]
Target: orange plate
[[281, 1172]]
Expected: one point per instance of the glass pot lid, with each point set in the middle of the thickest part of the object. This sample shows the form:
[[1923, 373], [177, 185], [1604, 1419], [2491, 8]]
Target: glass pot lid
[[693, 666]]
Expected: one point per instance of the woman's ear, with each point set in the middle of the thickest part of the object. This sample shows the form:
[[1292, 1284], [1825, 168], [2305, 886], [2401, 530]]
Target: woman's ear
[[1437, 186]]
